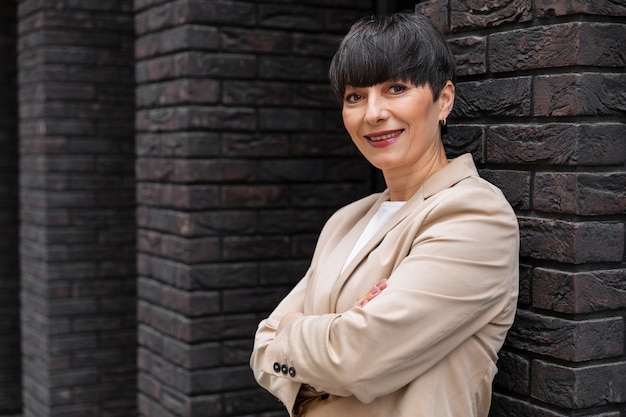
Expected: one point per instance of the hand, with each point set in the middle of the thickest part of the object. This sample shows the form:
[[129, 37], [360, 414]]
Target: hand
[[287, 319], [372, 293]]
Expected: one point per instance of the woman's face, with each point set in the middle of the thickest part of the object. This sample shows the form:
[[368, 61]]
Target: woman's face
[[395, 124]]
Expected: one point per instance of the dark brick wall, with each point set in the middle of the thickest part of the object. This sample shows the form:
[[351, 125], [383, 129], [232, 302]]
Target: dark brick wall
[[10, 373], [238, 158], [541, 106], [241, 157], [77, 248]]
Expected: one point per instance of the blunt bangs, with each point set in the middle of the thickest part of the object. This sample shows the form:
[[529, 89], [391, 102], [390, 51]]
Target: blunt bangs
[[404, 47]]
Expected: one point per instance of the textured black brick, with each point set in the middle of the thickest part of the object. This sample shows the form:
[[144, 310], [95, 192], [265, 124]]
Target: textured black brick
[[172, 400], [303, 170], [194, 11], [586, 94], [293, 69], [249, 40], [562, 45], [220, 328], [215, 171], [224, 223], [463, 138], [177, 39], [255, 144], [237, 352], [346, 170], [514, 184], [245, 248], [314, 44], [574, 341], [190, 64], [580, 193], [185, 91], [477, 14], [437, 11], [195, 171], [314, 95], [178, 144], [190, 304], [179, 196], [291, 17], [326, 145], [196, 117], [205, 329], [80, 310], [250, 197], [571, 242], [513, 373], [496, 97], [218, 379], [326, 195], [471, 55], [241, 93], [290, 119], [556, 144], [579, 387], [245, 401], [225, 275], [237, 301], [505, 406], [185, 250], [551, 8], [10, 356], [220, 12], [275, 273], [525, 285], [579, 292], [340, 20]]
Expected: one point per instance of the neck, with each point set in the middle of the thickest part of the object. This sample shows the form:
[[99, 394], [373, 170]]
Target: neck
[[403, 187]]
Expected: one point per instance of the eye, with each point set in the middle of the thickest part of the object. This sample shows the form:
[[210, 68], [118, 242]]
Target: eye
[[352, 97], [397, 88]]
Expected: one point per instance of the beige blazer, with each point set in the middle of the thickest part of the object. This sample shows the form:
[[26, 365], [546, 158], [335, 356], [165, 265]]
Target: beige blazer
[[427, 345]]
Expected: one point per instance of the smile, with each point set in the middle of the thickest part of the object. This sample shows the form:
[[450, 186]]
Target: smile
[[385, 136]]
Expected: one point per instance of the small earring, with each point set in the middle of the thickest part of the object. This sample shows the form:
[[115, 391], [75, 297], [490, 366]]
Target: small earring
[[450, 109], [443, 122]]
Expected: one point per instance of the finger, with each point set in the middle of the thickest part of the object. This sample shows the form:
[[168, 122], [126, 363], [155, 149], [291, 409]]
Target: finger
[[371, 293], [361, 301]]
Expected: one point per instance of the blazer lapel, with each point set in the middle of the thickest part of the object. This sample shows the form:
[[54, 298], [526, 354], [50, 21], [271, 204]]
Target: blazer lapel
[[329, 269], [458, 169], [373, 242]]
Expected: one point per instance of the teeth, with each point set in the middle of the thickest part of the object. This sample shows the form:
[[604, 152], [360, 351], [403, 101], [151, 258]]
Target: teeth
[[383, 137]]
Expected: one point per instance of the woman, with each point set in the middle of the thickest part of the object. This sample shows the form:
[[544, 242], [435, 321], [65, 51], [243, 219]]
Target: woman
[[410, 292]]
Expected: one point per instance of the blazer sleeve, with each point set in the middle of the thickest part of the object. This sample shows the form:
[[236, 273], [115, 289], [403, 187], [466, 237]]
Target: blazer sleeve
[[284, 389], [459, 277], [282, 386]]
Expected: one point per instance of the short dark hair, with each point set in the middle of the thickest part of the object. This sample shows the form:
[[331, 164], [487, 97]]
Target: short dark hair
[[401, 46]]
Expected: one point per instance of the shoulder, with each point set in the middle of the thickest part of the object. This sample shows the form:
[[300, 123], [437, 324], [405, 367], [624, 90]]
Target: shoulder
[[473, 193], [473, 208]]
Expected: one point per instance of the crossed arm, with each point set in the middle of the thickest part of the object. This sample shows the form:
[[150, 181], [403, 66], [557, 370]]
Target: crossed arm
[[361, 301], [461, 273]]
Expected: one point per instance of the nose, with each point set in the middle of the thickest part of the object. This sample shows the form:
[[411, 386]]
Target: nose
[[376, 110]]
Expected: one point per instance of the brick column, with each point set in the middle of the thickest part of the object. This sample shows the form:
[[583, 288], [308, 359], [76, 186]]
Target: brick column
[[541, 106], [75, 61], [241, 156], [10, 372]]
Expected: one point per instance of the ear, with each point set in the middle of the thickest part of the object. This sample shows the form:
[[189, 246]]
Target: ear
[[446, 100]]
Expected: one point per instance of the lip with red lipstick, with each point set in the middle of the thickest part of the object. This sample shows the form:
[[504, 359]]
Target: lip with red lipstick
[[383, 138]]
